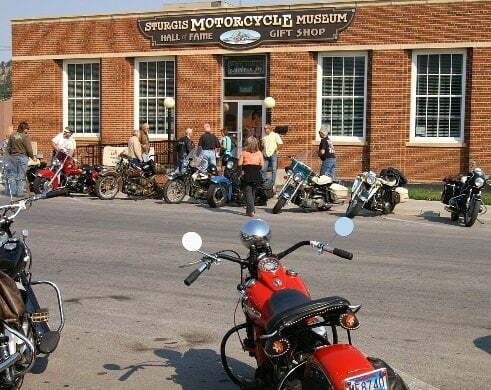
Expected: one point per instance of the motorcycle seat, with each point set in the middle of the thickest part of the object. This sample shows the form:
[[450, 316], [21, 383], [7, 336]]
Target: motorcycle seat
[[322, 180], [389, 182], [308, 309]]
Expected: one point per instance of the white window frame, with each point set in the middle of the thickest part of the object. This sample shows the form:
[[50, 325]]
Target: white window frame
[[65, 95], [414, 76], [321, 56], [136, 93]]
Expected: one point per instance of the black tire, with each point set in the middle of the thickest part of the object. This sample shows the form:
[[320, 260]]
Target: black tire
[[174, 191], [216, 196], [107, 187], [470, 215], [390, 209], [353, 208], [454, 216], [394, 381], [279, 205], [40, 185]]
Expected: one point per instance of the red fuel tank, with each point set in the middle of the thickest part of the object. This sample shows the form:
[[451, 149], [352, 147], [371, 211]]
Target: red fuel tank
[[272, 277]]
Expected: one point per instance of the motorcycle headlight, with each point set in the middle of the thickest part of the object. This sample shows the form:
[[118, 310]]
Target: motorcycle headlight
[[298, 178], [371, 178], [479, 182], [230, 164]]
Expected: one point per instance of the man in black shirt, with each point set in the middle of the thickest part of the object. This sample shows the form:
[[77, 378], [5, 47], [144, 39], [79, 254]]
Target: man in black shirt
[[327, 154], [209, 143], [183, 147]]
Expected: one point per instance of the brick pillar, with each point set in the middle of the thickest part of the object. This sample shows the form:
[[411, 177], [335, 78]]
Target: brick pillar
[[292, 83], [37, 99], [198, 93], [479, 112], [117, 111], [389, 108]]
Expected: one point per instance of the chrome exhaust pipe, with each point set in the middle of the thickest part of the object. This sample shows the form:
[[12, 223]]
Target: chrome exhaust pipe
[[28, 344], [10, 361]]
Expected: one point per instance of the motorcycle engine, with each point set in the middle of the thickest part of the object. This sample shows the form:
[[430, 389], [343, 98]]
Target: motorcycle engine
[[77, 183], [316, 201], [140, 187]]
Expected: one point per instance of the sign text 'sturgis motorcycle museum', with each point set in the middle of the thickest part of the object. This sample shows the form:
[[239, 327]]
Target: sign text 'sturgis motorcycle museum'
[[245, 30]]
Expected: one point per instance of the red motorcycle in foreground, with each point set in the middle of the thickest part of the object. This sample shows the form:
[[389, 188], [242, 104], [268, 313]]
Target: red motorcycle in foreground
[[66, 173], [287, 332]]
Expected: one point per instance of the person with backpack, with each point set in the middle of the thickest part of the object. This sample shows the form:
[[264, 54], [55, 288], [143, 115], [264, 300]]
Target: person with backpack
[[226, 144], [183, 147]]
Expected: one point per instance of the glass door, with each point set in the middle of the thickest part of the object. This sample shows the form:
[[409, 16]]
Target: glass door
[[243, 119]]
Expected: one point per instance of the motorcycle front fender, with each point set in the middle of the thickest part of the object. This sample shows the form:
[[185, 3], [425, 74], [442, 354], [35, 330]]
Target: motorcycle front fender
[[225, 182], [338, 362]]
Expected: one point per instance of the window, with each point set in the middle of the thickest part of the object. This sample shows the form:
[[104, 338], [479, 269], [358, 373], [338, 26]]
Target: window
[[342, 94], [154, 81], [244, 77], [438, 94], [81, 96]]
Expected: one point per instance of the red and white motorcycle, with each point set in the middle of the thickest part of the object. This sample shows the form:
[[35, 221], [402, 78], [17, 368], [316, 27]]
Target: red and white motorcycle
[[287, 332]]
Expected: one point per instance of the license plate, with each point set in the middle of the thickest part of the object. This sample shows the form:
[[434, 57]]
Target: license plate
[[373, 380]]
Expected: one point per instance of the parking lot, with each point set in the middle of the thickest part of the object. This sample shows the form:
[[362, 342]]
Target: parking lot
[[423, 281]]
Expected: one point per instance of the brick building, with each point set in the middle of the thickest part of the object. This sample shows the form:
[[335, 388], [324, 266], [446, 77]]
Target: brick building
[[402, 83]]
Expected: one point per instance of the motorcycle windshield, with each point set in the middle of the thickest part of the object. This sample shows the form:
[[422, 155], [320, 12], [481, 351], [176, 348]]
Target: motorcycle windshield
[[196, 159], [301, 164]]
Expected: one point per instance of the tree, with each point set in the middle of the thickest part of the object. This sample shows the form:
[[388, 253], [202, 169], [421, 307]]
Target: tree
[[5, 80]]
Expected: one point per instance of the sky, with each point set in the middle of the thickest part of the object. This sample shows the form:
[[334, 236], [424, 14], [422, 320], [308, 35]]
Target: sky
[[27, 8]]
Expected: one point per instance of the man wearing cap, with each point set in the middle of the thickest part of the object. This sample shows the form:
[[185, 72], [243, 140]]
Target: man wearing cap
[[65, 141]]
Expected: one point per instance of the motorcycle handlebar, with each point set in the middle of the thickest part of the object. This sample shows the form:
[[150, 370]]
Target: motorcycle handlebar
[[342, 253], [195, 274]]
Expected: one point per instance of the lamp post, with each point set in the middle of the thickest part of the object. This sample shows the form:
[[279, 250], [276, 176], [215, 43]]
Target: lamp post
[[269, 103], [169, 103]]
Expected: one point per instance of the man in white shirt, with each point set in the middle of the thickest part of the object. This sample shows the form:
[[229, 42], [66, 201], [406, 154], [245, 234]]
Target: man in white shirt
[[65, 141], [271, 144]]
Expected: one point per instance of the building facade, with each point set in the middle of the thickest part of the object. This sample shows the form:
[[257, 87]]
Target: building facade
[[401, 83]]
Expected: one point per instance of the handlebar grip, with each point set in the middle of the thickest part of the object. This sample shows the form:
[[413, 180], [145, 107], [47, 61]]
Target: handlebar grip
[[342, 253], [194, 275]]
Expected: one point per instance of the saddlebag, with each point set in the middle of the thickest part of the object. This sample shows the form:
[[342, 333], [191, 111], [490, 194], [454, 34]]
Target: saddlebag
[[450, 189], [339, 193], [11, 304], [402, 195]]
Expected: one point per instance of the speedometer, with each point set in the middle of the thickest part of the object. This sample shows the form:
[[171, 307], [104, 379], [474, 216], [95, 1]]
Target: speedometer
[[268, 264]]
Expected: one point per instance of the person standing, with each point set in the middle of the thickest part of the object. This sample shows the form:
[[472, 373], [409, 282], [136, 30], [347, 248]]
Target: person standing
[[209, 143], [184, 146], [226, 144], [327, 153], [145, 141], [251, 162], [64, 141], [271, 143], [19, 148]]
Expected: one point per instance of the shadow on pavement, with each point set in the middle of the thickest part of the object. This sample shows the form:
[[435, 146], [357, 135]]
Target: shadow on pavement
[[483, 343], [433, 216], [195, 369], [40, 365]]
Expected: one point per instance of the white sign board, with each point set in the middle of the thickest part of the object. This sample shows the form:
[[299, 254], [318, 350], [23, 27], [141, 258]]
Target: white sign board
[[110, 154]]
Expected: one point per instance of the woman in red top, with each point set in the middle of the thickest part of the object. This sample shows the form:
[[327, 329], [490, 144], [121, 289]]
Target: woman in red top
[[251, 162]]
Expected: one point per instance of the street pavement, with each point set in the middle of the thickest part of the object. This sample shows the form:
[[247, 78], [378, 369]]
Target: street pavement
[[131, 323]]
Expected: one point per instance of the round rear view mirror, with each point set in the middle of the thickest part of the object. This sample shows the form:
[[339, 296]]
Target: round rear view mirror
[[344, 226], [192, 241]]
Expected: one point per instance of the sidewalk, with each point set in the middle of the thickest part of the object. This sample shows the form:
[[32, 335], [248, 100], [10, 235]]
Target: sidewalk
[[420, 207]]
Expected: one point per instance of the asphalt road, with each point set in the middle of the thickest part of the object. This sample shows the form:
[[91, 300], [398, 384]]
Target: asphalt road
[[132, 324]]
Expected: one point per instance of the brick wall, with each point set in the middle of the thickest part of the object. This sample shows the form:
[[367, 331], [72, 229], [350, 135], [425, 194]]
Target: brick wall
[[37, 99]]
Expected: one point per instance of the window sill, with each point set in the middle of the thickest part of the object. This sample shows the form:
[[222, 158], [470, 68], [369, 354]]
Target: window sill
[[435, 145], [87, 137], [153, 137], [343, 143]]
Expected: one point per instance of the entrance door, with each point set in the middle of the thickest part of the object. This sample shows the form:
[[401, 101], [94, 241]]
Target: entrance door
[[243, 119]]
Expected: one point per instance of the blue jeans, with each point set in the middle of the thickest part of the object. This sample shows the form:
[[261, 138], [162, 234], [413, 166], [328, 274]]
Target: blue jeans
[[270, 164], [210, 157], [329, 167], [16, 175]]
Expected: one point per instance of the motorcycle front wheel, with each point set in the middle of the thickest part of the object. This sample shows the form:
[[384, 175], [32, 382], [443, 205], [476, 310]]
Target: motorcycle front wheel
[[353, 208], [470, 215], [41, 185], [107, 187], [217, 196], [279, 205], [174, 191]]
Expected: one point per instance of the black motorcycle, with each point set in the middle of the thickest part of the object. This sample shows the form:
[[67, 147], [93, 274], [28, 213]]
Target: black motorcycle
[[462, 196], [228, 188], [377, 193], [133, 178], [24, 329], [192, 180]]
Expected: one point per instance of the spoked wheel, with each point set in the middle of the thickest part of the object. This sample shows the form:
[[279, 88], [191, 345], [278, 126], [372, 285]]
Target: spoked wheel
[[107, 187], [234, 368], [174, 191], [41, 185], [216, 196], [12, 386]]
